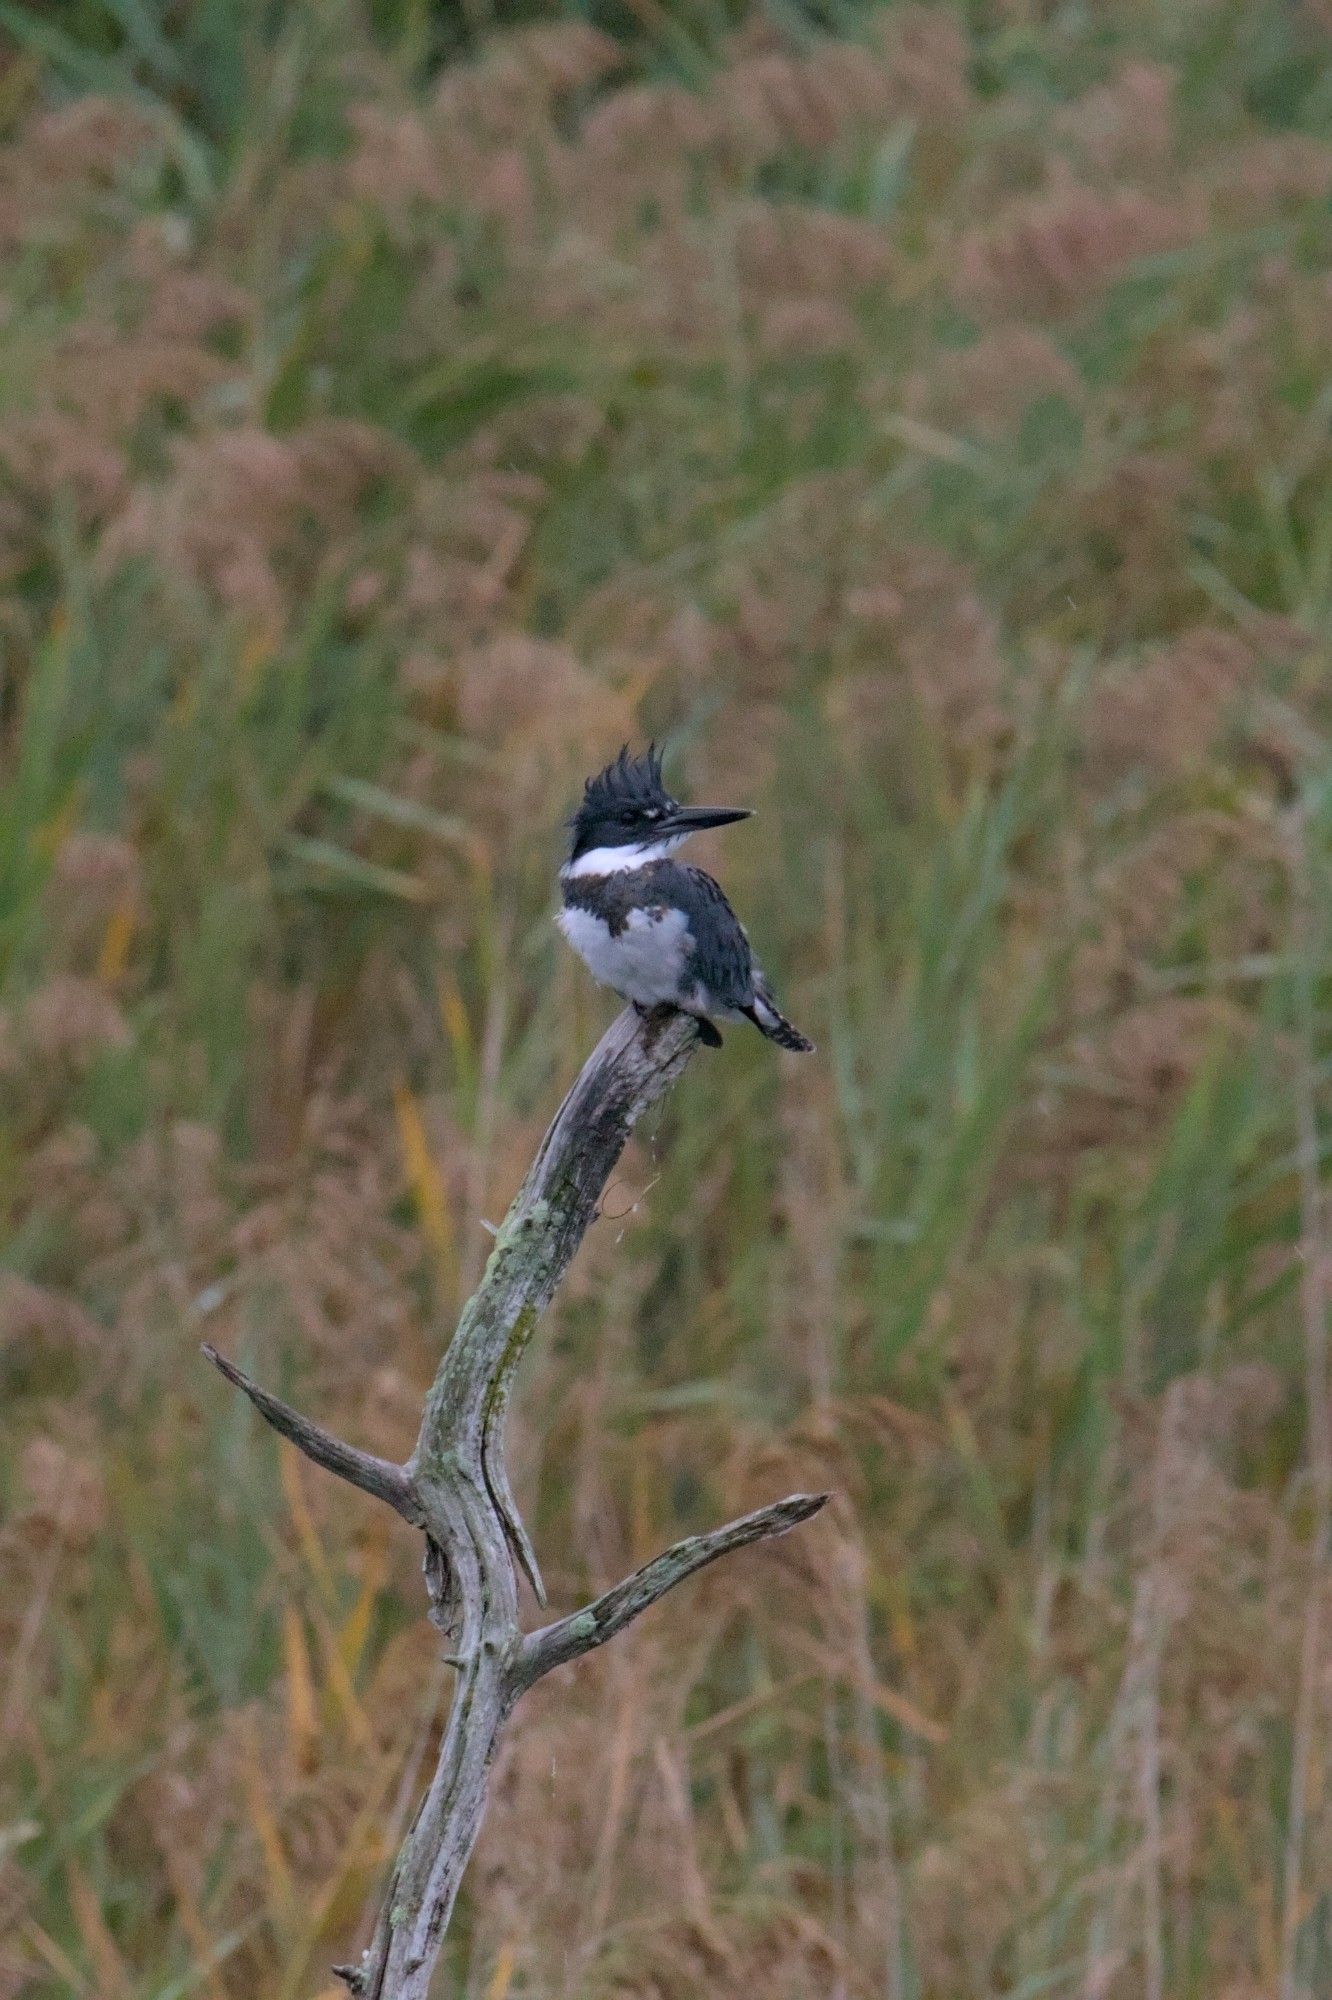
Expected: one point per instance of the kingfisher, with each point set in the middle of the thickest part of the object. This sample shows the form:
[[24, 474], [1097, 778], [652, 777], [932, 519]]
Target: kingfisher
[[657, 932]]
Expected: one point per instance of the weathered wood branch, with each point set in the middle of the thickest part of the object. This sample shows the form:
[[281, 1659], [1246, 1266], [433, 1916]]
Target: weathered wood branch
[[378, 1476], [455, 1488], [569, 1638]]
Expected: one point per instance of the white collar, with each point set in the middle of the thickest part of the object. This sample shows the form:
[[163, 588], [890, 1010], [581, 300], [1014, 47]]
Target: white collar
[[620, 860]]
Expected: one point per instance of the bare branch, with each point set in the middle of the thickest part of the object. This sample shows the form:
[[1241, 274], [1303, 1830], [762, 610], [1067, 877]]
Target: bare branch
[[635, 1061], [456, 1489], [569, 1638], [378, 1476]]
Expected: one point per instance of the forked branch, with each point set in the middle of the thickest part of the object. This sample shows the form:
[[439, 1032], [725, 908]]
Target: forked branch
[[455, 1488], [569, 1638], [378, 1476]]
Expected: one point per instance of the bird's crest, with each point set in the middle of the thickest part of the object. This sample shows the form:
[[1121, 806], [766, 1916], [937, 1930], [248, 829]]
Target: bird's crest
[[632, 782]]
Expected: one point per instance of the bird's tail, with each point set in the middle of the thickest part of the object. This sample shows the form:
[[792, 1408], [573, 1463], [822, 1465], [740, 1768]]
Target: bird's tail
[[769, 1019]]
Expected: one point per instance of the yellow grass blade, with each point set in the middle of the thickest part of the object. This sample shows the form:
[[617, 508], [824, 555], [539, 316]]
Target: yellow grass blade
[[348, 1883], [204, 1947], [50, 1953], [427, 1184], [54, 832], [302, 1709], [114, 954], [257, 651], [293, 1489], [109, 1966], [264, 1821], [502, 1978], [352, 1637], [339, 1683], [457, 1027], [900, 1621]]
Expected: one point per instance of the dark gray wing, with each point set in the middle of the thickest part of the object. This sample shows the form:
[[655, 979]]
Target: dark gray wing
[[722, 958]]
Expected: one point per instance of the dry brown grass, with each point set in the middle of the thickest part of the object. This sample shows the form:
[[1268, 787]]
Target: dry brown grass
[[924, 429]]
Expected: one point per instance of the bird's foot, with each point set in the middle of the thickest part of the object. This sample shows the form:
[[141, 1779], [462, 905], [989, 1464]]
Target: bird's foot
[[654, 1019], [657, 1017]]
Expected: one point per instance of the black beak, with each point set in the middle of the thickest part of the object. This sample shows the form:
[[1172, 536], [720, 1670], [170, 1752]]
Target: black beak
[[693, 819]]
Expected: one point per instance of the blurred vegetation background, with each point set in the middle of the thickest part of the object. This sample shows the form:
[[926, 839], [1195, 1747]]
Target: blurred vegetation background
[[918, 418]]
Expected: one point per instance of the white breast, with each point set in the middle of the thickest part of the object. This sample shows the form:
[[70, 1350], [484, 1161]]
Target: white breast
[[646, 960]]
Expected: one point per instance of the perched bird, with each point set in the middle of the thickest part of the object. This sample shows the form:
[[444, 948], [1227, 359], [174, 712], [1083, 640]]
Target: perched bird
[[659, 933]]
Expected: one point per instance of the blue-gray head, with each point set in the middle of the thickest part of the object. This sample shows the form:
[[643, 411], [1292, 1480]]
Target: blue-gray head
[[629, 817]]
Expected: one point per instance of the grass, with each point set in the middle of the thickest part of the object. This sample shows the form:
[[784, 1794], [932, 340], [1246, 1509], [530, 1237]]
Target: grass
[[917, 418]]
